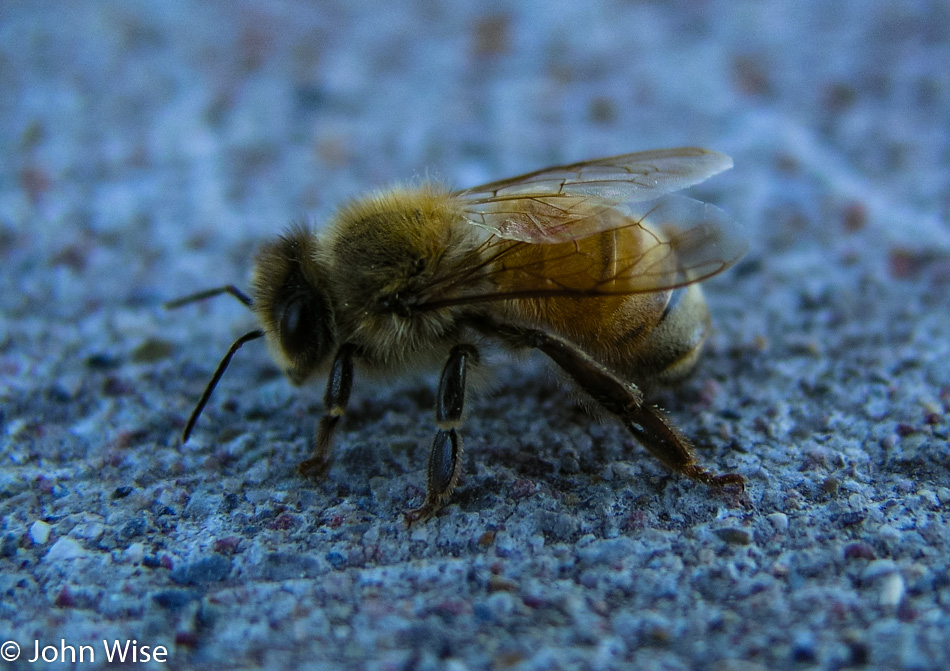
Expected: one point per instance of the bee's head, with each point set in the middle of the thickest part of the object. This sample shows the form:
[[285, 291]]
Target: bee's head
[[292, 304]]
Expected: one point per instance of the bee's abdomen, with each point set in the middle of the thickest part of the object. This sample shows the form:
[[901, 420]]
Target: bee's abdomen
[[669, 350]]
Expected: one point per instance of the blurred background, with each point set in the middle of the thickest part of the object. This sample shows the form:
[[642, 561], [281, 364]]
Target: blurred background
[[184, 121]]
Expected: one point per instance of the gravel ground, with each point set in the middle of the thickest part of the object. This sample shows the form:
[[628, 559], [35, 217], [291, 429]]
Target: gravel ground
[[149, 148]]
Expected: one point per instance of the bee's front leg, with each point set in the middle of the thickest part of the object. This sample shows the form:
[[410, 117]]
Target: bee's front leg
[[445, 459], [335, 398]]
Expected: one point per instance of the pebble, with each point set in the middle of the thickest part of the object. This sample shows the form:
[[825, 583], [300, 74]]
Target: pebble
[[892, 590], [134, 553], [779, 521], [734, 535], [89, 530], [859, 550], [878, 569], [210, 569], [175, 599], [888, 533], [65, 548], [39, 532]]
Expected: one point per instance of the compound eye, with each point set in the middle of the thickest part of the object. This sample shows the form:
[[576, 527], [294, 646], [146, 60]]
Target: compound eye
[[298, 326]]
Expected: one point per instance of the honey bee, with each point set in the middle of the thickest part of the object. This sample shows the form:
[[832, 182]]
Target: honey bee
[[595, 264]]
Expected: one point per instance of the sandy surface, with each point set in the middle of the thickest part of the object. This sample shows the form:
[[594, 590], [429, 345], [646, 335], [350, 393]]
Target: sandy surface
[[148, 148]]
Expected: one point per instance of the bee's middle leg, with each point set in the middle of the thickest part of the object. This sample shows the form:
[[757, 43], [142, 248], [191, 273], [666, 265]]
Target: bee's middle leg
[[445, 459], [335, 399]]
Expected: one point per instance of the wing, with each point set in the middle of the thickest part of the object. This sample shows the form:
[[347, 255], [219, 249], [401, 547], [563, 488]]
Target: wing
[[566, 202], [640, 248], [604, 227]]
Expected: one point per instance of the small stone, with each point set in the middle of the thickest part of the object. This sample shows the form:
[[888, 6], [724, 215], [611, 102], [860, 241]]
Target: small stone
[[134, 554], [734, 535], [851, 518], [888, 533], [152, 350], [228, 545], [39, 532], [929, 497], [831, 485], [779, 522], [133, 527], [336, 559], [859, 550], [65, 599], [90, 531], [501, 584], [877, 569], [892, 590], [210, 569], [175, 599], [65, 548]]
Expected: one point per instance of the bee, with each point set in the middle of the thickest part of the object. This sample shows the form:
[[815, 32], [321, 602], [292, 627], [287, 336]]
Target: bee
[[595, 264]]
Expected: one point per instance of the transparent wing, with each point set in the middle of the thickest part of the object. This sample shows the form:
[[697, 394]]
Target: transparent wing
[[569, 202], [662, 244]]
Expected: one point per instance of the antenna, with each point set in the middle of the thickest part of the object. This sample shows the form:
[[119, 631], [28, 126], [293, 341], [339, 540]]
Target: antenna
[[235, 346], [219, 371], [211, 293]]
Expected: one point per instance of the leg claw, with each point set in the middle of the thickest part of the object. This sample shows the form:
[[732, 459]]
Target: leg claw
[[314, 468]]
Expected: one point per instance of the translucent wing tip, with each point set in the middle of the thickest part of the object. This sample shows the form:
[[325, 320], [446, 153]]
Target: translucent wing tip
[[714, 161]]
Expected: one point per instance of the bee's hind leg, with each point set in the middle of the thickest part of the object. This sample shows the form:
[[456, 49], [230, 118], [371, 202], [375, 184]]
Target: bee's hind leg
[[647, 423], [335, 399], [445, 459]]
